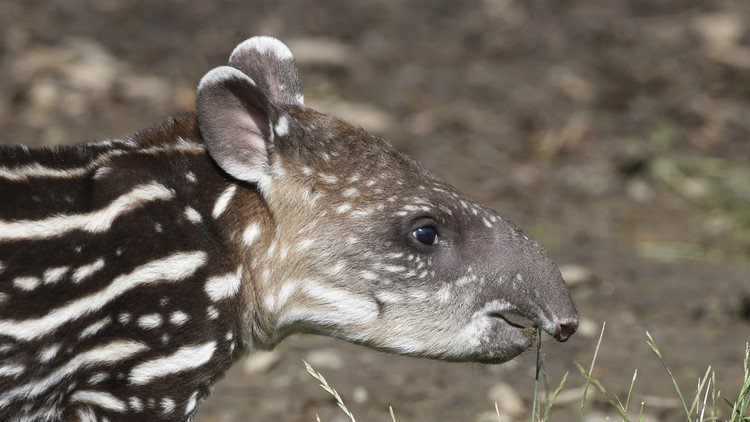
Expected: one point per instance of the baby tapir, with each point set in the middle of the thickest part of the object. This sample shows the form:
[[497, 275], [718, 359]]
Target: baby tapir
[[134, 272]]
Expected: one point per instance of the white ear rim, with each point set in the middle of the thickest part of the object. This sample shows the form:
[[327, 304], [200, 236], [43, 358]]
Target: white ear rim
[[223, 73], [264, 45]]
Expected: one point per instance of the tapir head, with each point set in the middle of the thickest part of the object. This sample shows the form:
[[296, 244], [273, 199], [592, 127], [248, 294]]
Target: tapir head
[[363, 243]]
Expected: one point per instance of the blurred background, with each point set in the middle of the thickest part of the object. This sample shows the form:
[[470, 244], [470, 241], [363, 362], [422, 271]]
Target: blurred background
[[617, 132]]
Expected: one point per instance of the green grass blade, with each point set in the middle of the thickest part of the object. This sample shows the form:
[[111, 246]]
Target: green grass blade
[[701, 386], [324, 384], [640, 412], [551, 401], [591, 369], [630, 391], [744, 398], [658, 354], [600, 387]]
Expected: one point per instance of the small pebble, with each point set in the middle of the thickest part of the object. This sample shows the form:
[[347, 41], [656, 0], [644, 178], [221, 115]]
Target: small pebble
[[576, 275], [508, 401], [261, 362], [324, 359]]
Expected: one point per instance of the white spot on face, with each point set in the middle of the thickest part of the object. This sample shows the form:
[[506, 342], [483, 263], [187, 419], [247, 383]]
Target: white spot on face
[[212, 313], [271, 249], [349, 307], [305, 244], [192, 215], [158, 228], [328, 178], [389, 297], [282, 126], [26, 283], [149, 321], [286, 291], [343, 208], [394, 268], [178, 318], [53, 275], [336, 269], [223, 286], [190, 176], [223, 201], [85, 271], [368, 275], [251, 233], [419, 295], [444, 294], [360, 213], [350, 192]]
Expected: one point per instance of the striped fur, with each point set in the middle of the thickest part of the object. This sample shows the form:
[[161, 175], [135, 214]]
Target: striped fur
[[126, 308], [134, 272]]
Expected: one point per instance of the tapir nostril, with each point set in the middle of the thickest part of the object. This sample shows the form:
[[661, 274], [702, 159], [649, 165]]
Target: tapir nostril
[[565, 329]]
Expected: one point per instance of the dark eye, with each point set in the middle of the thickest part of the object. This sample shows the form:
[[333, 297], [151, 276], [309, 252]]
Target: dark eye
[[426, 235]]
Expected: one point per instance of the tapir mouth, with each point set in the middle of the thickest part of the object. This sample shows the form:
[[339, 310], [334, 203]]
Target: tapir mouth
[[559, 331], [513, 319], [523, 322]]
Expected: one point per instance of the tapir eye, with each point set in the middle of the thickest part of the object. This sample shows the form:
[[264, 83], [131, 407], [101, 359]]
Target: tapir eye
[[426, 235]]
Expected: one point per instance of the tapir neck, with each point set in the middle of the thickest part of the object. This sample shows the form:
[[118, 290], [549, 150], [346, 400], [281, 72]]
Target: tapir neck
[[133, 294]]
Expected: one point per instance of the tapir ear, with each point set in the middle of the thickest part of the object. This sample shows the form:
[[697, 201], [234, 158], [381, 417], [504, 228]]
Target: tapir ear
[[271, 65], [234, 116]]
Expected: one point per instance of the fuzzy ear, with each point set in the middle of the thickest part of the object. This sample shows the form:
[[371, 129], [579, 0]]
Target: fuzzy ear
[[271, 65], [234, 117]]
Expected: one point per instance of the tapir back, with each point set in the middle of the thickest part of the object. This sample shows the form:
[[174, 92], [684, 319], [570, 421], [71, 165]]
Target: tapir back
[[103, 279]]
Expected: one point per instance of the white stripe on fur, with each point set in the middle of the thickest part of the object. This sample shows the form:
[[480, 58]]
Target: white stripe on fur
[[93, 222], [175, 267]]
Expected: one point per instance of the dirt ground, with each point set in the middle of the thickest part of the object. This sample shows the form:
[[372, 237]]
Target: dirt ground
[[617, 132]]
